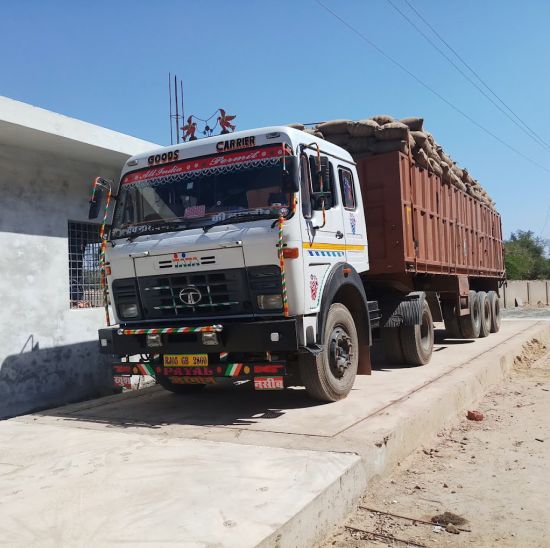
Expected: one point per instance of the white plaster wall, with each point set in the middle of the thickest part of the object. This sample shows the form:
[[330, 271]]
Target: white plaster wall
[[48, 352]]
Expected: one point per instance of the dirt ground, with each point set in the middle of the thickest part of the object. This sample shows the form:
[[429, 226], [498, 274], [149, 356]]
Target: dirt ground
[[494, 474]]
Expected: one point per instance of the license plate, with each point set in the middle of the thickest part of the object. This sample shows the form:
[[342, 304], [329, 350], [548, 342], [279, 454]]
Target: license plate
[[185, 360]]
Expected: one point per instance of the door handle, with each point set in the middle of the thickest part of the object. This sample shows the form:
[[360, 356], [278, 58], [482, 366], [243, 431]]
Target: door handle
[[339, 235]]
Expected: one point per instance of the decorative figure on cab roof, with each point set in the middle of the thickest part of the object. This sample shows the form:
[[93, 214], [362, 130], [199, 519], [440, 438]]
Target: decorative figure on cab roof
[[224, 121], [189, 129]]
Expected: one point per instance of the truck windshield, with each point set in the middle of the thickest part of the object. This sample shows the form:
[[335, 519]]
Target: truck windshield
[[200, 191]]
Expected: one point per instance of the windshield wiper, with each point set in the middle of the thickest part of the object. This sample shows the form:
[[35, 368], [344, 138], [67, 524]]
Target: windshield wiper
[[248, 214]]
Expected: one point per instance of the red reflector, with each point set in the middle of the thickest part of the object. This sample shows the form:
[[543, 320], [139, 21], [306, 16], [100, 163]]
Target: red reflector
[[291, 252], [122, 369], [268, 369]]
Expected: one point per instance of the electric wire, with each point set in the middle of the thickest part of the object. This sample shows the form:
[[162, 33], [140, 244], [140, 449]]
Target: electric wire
[[530, 133], [474, 72], [430, 89]]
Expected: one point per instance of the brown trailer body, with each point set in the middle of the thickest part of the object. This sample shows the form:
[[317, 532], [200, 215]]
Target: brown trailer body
[[421, 228]]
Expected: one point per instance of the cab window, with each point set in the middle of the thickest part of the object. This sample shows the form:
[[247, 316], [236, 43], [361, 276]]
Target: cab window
[[326, 164], [347, 188]]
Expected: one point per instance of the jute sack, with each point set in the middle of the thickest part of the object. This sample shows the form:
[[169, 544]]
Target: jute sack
[[340, 139], [360, 144], [421, 157], [414, 124], [420, 137], [444, 157], [392, 131], [383, 119], [297, 126], [435, 167], [314, 132], [362, 128], [457, 171], [333, 127], [380, 147]]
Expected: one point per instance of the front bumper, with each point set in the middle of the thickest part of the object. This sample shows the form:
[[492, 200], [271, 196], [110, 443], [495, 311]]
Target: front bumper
[[254, 336]]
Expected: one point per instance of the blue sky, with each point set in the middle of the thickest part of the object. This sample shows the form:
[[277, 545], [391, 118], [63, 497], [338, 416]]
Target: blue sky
[[286, 61]]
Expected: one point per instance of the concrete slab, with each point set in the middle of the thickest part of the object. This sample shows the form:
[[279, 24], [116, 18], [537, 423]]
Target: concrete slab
[[96, 488], [384, 419]]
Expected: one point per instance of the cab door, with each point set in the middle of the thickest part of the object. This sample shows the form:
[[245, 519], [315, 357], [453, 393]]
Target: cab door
[[354, 226], [323, 233]]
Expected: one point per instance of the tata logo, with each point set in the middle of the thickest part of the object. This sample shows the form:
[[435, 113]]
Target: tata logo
[[190, 296]]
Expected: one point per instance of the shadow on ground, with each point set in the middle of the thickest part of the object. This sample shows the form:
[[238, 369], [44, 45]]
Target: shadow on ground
[[224, 404]]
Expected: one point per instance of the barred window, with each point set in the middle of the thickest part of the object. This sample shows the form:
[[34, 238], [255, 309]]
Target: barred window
[[84, 275]]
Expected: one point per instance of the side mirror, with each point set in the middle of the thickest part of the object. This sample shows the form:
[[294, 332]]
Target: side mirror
[[95, 203], [317, 199], [291, 179]]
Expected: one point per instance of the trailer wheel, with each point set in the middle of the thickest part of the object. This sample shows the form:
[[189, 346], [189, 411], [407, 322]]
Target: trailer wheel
[[471, 323], [485, 314], [179, 388], [330, 375], [417, 341], [452, 326], [391, 343], [494, 303]]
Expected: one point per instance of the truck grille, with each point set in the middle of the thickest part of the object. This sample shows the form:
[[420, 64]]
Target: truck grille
[[218, 292]]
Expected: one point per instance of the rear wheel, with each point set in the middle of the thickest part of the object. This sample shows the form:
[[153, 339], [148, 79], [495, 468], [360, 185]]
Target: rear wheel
[[330, 375], [485, 314], [494, 303], [179, 388], [391, 342], [452, 326], [417, 341], [471, 323]]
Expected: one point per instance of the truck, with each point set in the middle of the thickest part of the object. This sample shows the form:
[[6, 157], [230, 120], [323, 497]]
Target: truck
[[274, 256]]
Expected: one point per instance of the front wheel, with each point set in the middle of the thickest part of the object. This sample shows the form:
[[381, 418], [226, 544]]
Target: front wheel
[[330, 375]]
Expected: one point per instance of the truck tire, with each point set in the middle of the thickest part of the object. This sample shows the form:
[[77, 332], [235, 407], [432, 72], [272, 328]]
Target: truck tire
[[452, 326], [417, 341], [494, 303], [485, 314], [471, 323], [391, 343], [179, 388], [330, 375]]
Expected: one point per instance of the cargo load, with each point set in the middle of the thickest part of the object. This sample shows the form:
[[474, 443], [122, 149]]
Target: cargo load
[[384, 133]]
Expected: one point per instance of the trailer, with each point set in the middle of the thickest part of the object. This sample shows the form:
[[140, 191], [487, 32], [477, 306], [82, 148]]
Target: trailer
[[275, 256]]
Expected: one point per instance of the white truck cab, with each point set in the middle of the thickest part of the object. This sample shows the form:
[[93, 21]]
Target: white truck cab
[[240, 256]]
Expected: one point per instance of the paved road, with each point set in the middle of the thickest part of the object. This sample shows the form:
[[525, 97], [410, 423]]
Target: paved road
[[229, 466]]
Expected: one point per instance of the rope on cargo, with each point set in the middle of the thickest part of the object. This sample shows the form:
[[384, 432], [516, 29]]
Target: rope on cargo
[[162, 331]]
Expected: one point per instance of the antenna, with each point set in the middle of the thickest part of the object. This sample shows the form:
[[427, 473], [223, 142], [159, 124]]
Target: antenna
[[170, 98], [177, 113]]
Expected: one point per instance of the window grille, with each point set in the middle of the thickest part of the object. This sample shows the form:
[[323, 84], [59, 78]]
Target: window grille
[[84, 274]]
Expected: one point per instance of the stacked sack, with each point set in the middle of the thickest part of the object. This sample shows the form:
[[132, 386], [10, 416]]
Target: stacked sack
[[384, 133]]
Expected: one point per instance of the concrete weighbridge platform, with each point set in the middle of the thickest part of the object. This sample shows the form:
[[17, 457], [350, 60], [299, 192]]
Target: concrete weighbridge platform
[[231, 467]]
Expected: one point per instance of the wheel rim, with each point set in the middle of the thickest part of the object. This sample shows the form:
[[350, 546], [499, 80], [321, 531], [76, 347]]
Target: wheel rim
[[340, 351], [425, 333]]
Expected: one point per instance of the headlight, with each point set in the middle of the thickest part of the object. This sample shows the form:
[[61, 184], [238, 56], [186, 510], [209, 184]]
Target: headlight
[[270, 302], [128, 310]]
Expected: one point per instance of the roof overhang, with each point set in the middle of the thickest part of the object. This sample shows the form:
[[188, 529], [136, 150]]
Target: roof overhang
[[29, 127]]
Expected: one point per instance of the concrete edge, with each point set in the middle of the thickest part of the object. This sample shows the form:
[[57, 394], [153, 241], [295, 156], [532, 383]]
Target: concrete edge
[[414, 422], [437, 406], [327, 509]]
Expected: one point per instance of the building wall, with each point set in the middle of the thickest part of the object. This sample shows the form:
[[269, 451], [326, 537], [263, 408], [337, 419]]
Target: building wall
[[48, 352], [526, 292]]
